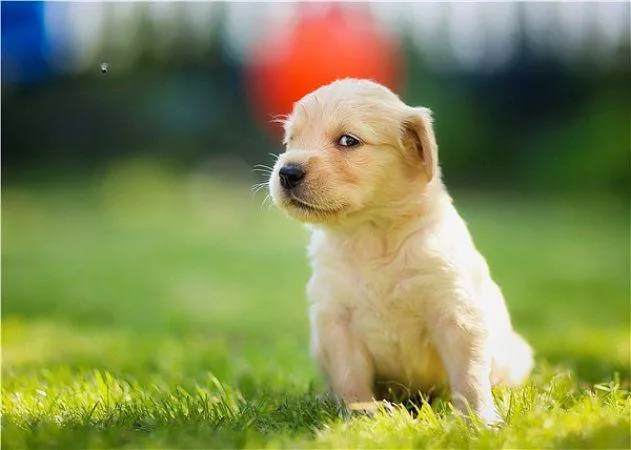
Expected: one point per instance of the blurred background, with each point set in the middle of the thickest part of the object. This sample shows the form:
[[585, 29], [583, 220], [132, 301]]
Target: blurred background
[[130, 132], [528, 96]]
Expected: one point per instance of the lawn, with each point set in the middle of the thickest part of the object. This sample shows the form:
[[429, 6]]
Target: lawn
[[146, 309]]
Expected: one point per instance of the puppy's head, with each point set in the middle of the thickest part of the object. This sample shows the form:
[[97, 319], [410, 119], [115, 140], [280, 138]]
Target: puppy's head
[[353, 148]]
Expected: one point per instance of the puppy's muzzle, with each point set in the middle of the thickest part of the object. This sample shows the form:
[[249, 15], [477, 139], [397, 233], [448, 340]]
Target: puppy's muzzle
[[290, 176]]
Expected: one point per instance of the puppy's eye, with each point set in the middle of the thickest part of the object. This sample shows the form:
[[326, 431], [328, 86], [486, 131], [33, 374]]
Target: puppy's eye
[[348, 141]]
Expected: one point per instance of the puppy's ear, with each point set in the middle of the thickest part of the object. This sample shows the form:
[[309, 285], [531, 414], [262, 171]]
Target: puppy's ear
[[418, 134]]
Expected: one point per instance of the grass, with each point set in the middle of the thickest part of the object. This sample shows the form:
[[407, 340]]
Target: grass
[[143, 309]]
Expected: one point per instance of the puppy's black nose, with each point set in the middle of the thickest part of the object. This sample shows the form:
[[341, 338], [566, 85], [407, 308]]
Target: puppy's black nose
[[290, 175]]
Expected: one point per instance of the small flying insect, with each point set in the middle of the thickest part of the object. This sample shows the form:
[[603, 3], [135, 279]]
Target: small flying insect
[[104, 67]]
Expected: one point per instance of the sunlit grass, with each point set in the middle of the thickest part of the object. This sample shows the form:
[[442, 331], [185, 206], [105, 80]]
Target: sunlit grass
[[145, 309]]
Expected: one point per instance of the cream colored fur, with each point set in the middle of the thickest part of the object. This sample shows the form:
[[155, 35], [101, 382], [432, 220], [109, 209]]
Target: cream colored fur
[[399, 293]]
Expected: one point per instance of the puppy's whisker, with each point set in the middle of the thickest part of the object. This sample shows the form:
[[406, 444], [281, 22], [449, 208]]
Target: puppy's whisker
[[257, 187], [263, 201], [265, 172], [263, 166], [267, 201]]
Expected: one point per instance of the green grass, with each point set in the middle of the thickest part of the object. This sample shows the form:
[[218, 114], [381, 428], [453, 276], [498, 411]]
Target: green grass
[[142, 309]]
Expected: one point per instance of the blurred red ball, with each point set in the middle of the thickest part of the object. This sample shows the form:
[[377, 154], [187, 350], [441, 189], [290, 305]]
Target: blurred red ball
[[323, 44]]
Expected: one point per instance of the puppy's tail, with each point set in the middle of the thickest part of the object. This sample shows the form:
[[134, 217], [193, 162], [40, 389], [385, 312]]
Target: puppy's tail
[[512, 361]]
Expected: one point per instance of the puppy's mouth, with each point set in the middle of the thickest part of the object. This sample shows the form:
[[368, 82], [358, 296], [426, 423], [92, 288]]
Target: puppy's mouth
[[301, 204]]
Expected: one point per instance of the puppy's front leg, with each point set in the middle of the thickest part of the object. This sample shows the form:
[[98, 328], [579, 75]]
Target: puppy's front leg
[[461, 341], [341, 355]]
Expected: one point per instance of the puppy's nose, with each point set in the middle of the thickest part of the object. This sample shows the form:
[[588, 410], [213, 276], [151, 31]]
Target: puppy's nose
[[290, 175]]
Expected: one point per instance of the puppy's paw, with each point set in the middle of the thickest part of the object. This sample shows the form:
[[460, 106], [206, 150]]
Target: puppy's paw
[[490, 417], [484, 416]]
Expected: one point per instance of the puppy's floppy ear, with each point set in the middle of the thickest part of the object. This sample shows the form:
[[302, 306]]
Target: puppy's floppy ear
[[418, 133]]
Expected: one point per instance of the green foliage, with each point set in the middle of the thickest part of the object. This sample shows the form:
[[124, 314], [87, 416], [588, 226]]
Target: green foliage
[[144, 309]]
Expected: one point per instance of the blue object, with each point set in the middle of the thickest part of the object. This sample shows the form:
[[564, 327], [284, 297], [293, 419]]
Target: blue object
[[24, 42]]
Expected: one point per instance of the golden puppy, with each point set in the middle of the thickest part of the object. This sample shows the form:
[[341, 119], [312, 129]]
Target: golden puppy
[[399, 295]]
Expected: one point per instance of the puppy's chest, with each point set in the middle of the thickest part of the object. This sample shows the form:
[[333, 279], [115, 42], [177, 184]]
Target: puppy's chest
[[389, 316], [387, 301]]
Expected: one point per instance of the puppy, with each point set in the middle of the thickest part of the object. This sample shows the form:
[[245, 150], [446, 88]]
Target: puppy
[[399, 296]]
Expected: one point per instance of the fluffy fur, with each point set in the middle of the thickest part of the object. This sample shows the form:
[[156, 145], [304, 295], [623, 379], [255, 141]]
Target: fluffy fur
[[399, 296]]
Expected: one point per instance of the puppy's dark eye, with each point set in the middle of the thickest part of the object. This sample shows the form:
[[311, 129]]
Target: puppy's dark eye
[[348, 141]]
